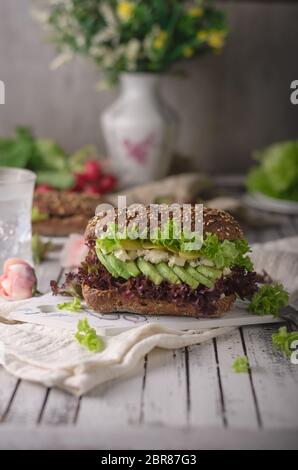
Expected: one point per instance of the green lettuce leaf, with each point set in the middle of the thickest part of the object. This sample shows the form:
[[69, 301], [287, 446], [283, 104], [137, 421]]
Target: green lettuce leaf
[[37, 216], [72, 306], [39, 248], [277, 172], [269, 299], [227, 253], [19, 151], [240, 364], [88, 338], [282, 340], [107, 245], [56, 179], [51, 156]]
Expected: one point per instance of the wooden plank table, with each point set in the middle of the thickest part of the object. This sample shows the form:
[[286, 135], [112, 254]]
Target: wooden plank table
[[189, 398]]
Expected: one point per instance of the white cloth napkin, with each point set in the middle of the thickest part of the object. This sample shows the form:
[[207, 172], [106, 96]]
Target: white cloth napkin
[[51, 355]]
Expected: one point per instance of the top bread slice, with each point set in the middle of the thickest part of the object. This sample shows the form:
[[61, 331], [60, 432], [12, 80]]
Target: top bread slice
[[214, 221]]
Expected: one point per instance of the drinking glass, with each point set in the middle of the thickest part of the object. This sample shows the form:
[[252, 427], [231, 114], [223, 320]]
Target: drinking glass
[[16, 194]]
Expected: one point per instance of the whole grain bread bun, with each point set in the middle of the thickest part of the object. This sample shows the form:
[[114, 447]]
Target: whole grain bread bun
[[215, 221], [65, 203], [109, 301]]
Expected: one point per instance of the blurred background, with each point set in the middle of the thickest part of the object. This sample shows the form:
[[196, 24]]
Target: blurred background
[[228, 105]]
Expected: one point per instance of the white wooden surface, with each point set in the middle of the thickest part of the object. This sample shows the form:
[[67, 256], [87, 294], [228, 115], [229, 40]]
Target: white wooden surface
[[174, 399]]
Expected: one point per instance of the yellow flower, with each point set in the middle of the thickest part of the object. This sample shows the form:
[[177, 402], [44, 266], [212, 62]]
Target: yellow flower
[[202, 35], [196, 12], [216, 39], [188, 52], [125, 10], [160, 40]]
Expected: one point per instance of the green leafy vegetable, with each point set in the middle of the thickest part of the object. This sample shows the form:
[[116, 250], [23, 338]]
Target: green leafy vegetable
[[87, 337], [226, 253], [107, 245], [40, 248], [76, 160], [269, 299], [282, 340], [18, 151], [37, 216], [223, 254], [59, 180], [174, 239], [43, 156], [277, 173], [52, 156], [240, 364], [72, 306]]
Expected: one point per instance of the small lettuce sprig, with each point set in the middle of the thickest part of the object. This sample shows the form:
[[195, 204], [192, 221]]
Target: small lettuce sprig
[[38, 216], [87, 337], [40, 249], [282, 340], [74, 305], [269, 299], [241, 364]]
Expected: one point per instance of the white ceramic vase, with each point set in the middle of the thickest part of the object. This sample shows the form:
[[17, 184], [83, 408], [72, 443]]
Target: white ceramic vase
[[139, 131]]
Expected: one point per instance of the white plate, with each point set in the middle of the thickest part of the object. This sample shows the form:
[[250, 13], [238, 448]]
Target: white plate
[[44, 311], [266, 203]]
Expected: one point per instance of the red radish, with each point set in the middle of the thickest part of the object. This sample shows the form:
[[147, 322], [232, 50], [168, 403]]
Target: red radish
[[92, 170], [92, 189], [107, 183], [92, 181], [80, 181], [43, 188]]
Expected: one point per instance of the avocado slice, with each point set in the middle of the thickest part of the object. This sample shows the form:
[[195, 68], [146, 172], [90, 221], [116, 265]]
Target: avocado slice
[[167, 273], [118, 266], [207, 271], [149, 270], [189, 255], [147, 244], [185, 277], [131, 244], [132, 268], [199, 277], [105, 262]]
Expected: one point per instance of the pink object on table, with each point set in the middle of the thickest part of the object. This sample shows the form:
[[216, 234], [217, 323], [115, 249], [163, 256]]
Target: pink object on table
[[18, 280], [74, 251]]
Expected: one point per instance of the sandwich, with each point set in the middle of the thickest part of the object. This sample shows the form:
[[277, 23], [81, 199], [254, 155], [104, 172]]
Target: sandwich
[[149, 275], [60, 213]]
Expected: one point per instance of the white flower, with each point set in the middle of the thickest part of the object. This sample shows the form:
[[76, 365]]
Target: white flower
[[132, 52], [132, 49], [105, 35], [61, 59], [98, 52], [108, 15]]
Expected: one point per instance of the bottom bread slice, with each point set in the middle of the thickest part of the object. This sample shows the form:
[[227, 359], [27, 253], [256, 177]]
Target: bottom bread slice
[[60, 226], [109, 301]]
